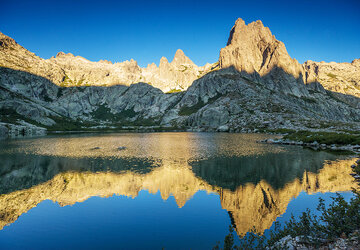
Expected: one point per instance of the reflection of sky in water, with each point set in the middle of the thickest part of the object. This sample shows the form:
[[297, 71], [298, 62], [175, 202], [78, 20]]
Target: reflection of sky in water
[[146, 222], [185, 188]]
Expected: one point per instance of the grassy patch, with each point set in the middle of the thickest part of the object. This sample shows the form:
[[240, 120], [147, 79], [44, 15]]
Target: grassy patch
[[60, 92], [103, 113], [331, 75], [281, 131], [186, 110], [142, 122], [174, 91], [11, 116], [324, 137], [184, 69], [67, 82], [308, 99], [65, 124]]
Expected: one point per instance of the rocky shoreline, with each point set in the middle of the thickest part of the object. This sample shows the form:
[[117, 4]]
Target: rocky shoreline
[[22, 129], [300, 242], [315, 145]]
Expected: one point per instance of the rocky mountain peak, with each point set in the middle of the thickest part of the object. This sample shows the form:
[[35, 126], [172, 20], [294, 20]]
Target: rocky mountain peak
[[62, 54], [254, 51], [356, 62], [181, 58], [163, 62], [242, 32], [252, 48], [6, 41], [105, 61]]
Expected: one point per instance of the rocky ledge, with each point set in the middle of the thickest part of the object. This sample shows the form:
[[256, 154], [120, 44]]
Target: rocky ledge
[[301, 242], [23, 129]]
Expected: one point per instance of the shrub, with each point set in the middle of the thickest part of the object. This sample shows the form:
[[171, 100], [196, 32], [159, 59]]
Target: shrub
[[335, 220], [185, 110], [331, 75]]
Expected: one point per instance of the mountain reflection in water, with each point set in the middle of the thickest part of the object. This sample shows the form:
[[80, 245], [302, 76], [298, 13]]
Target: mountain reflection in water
[[255, 182]]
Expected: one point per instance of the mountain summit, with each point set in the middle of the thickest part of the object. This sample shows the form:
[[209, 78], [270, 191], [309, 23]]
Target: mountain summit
[[180, 58], [253, 50]]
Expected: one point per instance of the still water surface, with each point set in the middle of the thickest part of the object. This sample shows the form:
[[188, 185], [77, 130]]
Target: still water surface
[[171, 190]]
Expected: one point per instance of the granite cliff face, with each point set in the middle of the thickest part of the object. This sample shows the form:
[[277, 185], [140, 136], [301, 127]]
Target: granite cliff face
[[177, 75], [14, 56], [255, 52], [255, 85], [336, 77]]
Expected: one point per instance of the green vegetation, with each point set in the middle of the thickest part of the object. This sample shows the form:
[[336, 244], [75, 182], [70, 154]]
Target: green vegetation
[[184, 69], [103, 113], [174, 91], [185, 110], [8, 115], [45, 96], [68, 82], [60, 92], [338, 219], [331, 75], [281, 131], [66, 124], [324, 137], [308, 99]]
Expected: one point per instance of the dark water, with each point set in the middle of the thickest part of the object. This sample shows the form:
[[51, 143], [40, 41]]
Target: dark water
[[171, 190]]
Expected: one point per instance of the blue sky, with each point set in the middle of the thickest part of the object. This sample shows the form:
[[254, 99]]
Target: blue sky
[[147, 30]]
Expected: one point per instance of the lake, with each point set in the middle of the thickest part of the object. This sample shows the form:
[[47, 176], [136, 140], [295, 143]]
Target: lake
[[164, 190]]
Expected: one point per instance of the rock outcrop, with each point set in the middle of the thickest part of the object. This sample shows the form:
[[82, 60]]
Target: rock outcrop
[[177, 75], [337, 77], [254, 51]]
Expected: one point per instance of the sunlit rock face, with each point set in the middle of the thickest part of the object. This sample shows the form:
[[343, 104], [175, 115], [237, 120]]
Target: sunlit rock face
[[255, 52], [177, 75], [68, 70], [337, 77], [240, 171], [14, 56]]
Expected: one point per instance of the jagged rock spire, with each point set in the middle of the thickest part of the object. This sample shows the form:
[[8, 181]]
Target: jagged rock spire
[[181, 58], [252, 49]]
